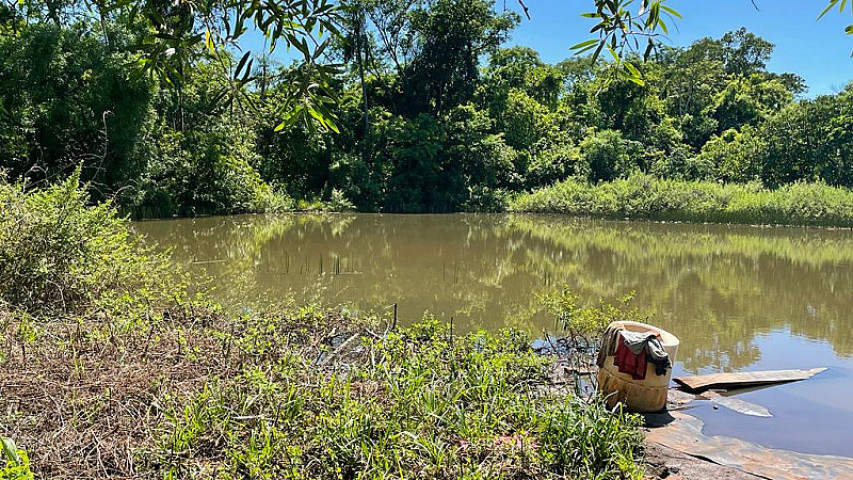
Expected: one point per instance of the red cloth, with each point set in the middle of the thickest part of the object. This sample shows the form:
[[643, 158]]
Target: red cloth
[[628, 362]]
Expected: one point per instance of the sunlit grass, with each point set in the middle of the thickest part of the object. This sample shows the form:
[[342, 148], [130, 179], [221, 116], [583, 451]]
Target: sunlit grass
[[647, 197]]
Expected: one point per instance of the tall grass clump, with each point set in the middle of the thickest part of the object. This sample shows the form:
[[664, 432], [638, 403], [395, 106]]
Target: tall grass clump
[[648, 197]]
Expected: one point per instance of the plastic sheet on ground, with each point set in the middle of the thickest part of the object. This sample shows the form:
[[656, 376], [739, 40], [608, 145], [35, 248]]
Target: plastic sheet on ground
[[685, 434]]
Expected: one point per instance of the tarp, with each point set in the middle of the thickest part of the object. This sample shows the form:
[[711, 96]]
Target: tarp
[[685, 434]]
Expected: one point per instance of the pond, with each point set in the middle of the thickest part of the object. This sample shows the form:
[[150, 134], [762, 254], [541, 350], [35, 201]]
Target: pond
[[738, 297]]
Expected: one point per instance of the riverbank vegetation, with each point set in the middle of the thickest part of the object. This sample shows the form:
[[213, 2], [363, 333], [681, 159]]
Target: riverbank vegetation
[[648, 197], [130, 376], [436, 112]]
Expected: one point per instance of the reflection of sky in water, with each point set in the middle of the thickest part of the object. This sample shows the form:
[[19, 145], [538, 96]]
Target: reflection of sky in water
[[812, 416], [738, 297]]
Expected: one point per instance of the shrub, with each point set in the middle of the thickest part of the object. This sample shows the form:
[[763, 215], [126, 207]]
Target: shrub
[[57, 254], [338, 202], [735, 156], [553, 164], [204, 173], [486, 200], [606, 156]]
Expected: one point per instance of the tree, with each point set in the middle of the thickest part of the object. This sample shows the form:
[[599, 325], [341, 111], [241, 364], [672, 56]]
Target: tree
[[521, 68], [811, 140], [65, 100], [748, 100], [607, 156], [744, 53], [171, 36], [450, 37]]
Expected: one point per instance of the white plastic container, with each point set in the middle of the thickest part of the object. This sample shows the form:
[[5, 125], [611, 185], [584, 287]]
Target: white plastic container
[[642, 396]]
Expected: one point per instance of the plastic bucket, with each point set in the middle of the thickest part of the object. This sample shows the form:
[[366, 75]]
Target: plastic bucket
[[643, 396]]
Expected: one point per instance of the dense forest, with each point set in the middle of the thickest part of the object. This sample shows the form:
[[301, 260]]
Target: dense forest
[[433, 113]]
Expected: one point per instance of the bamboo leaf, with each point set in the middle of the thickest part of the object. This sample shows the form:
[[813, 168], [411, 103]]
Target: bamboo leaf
[[208, 41], [826, 10], [241, 64], [584, 45], [672, 12]]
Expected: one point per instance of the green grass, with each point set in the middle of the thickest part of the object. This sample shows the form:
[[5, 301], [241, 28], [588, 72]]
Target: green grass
[[191, 393], [646, 197]]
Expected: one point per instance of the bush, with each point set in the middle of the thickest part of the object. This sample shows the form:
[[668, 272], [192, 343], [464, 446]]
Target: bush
[[338, 202], [553, 164], [205, 173], [681, 165], [606, 156], [486, 200], [57, 254], [735, 156]]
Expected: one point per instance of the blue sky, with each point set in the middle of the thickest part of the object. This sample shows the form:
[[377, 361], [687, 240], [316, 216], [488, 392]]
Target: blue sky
[[817, 51]]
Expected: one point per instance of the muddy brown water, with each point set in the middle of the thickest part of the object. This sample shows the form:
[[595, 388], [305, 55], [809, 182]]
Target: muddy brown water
[[738, 297]]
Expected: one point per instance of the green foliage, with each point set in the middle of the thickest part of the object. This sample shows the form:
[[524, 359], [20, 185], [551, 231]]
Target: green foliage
[[607, 155], [486, 200], [65, 100], [432, 115], [170, 37], [811, 141], [15, 463], [749, 100], [521, 69], [202, 173], [523, 120], [620, 29], [555, 163], [734, 156], [58, 254], [426, 163], [584, 324], [596, 441], [643, 196], [421, 403], [338, 202], [449, 36]]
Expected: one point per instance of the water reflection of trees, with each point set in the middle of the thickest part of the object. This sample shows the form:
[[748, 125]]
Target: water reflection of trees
[[716, 287]]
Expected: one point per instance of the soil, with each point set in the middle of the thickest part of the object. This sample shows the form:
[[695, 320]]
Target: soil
[[663, 462], [667, 463]]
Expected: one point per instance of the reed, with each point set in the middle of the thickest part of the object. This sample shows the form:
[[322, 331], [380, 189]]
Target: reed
[[647, 197]]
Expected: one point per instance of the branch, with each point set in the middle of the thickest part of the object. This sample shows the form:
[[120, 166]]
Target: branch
[[526, 10]]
